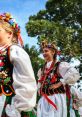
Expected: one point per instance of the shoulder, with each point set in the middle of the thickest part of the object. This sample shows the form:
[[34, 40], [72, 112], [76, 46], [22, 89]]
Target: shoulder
[[17, 49], [63, 68], [17, 52], [64, 65]]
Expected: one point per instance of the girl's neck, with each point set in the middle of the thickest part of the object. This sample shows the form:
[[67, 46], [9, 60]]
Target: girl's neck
[[54, 61], [49, 61]]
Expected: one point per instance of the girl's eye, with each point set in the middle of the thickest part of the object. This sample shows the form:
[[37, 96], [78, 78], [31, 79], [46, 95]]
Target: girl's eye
[[46, 50]]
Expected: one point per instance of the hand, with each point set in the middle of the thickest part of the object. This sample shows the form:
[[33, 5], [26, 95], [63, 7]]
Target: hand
[[75, 107], [54, 86], [11, 111]]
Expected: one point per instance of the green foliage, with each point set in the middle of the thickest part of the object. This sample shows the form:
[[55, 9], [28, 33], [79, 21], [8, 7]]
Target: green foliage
[[35, 59], [61, 22]]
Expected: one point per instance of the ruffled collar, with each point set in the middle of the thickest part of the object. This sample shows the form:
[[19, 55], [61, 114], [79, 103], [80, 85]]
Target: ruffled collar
[[3, 47]]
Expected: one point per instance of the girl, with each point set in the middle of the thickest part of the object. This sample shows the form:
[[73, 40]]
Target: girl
[[51, 84], [17, 81]]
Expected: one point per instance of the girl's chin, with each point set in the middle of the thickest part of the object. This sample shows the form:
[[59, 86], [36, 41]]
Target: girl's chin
[[46, 59]]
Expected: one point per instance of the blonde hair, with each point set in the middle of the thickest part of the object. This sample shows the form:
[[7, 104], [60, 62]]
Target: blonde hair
[[9, 29], [51, 45]]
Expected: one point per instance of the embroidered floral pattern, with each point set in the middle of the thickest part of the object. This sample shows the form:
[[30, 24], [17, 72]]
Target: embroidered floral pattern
[[50, 79], [5, 74]]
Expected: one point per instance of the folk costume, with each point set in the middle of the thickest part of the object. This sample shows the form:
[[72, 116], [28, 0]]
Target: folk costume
[[53, 101], [17, 82]]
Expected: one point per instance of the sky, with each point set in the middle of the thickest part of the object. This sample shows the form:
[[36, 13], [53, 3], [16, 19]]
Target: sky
[[21, 10]]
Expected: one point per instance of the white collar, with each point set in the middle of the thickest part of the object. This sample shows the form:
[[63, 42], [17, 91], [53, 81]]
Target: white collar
[[2, 48], [48, 64]]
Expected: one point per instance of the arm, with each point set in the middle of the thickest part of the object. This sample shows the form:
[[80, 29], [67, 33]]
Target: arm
[[23, 79], [54, 86]]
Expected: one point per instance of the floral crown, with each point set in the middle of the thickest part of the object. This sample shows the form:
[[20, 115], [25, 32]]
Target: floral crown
[[52, 45], [48, 45], [9, 19]]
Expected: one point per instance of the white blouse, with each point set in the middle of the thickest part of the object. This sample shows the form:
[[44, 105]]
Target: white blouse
[[24, 82]]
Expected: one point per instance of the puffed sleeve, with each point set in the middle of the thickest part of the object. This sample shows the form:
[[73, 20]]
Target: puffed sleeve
[[24, 81], [70, 74], [39, 73], [39, 76]]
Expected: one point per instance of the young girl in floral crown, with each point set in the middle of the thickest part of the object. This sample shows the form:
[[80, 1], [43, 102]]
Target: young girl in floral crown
[[17, 81], [53, 77]]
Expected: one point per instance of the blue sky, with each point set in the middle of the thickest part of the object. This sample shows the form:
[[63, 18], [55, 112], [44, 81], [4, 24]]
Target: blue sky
[[21, 10]]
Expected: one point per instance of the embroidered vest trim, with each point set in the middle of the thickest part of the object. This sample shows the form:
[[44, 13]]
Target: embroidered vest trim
[[6, 69]]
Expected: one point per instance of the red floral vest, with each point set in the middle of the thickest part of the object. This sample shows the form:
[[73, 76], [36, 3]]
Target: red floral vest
[[51, 78], [6, 69]]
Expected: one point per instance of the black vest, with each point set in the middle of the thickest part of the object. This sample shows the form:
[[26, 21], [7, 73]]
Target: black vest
[[6, 69], [48, 82]]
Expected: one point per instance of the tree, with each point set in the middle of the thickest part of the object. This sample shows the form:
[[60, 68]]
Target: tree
[[35, 59], [60, 22]]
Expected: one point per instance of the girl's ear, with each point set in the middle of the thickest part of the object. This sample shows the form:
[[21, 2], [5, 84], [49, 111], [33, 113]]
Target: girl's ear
[[53, 52]]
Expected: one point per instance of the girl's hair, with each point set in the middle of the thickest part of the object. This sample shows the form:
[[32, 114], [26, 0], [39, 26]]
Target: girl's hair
[[52, 46], [9, 29], [9, 24]]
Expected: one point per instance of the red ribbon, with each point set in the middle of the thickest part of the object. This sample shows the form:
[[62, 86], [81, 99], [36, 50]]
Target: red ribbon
[[43, 78], [68, 93], [54, 78], [49, 101]]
